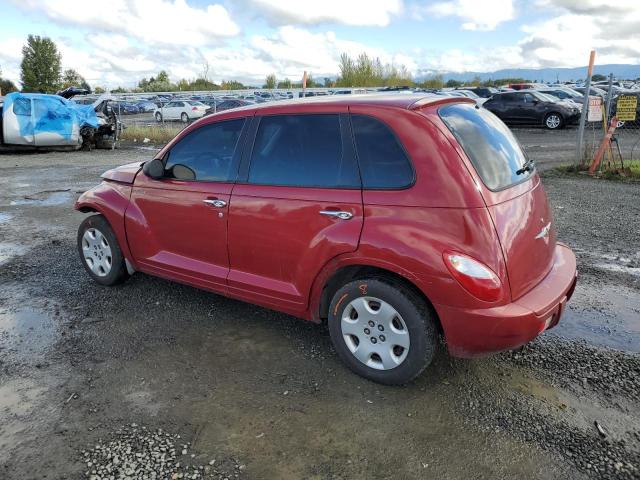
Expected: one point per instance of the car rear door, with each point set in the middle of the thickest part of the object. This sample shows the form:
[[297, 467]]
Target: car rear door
[[297, 205], [514, 196], [177, 225]]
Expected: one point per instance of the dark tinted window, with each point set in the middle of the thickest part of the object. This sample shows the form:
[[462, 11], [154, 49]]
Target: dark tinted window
[[301, 150], [206, 154], [489, 144], [506, 97], [383, 161]]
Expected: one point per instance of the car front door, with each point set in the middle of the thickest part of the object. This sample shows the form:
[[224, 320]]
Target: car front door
[[177, 225], [296, 206]]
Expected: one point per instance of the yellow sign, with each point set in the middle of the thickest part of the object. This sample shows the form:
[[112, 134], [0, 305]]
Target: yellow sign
[[626, 108]]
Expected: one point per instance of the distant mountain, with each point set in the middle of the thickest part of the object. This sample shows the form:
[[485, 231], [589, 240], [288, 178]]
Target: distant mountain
[[620, 71]]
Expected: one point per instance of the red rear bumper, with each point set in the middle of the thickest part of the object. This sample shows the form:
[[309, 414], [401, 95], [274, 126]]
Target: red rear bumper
[[474, 332]]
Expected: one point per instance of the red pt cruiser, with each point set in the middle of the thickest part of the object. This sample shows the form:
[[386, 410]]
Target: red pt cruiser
[[394, 218]]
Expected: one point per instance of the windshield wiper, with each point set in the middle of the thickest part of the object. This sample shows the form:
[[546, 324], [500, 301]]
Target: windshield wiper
[[527, 167]]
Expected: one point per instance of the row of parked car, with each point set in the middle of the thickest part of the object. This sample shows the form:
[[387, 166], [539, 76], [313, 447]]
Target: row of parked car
[[552, 106]]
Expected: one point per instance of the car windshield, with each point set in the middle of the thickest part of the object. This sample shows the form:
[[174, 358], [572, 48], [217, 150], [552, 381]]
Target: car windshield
[[489, 144], [197, 104]]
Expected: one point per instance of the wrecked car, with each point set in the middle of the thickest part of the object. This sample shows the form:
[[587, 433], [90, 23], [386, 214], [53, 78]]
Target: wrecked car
[[41, 121]]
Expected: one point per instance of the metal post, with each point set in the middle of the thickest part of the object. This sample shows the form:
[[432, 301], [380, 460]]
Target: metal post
[[609, 96], [585, 108]]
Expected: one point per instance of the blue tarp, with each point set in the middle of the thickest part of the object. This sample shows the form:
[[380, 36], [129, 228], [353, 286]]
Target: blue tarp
[[38, 113]]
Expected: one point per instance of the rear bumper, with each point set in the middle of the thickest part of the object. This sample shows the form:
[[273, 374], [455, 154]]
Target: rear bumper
[[474, 332]]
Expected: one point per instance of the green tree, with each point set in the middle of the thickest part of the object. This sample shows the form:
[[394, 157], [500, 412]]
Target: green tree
[[451, 83], [328, 83], [598, 78], [231, 85], [365, 71], [285, 84], [270, 82], [99, 89], [71, 78], [40, 67], [436, 81], [6, 85]]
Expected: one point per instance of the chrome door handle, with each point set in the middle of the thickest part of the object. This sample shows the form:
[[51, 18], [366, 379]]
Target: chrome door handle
[[340, 215], [216, 203]]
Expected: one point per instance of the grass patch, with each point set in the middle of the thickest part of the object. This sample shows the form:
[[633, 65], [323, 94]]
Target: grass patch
[[157, 134], [631, 170]]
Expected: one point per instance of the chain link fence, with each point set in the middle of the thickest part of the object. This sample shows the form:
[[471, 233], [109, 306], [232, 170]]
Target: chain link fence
[[624, 146]]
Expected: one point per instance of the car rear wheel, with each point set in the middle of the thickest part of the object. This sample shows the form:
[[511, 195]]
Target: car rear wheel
[[553, 121], [383, 332], [184, 117], [99, 251], [158, 117]]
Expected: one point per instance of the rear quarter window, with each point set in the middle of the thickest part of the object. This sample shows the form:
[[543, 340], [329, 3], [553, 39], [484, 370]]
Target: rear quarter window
[[493, 150], [383, 162]]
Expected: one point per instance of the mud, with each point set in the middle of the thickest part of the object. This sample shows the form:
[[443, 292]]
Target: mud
[[248, 386]]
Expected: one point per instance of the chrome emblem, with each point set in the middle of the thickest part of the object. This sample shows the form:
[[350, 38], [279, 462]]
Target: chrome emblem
[[544, 232]]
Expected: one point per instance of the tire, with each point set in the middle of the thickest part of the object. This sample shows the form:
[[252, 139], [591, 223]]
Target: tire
[[158, 117], [394, 365], [100, 253], [553, 121], [184, 117]]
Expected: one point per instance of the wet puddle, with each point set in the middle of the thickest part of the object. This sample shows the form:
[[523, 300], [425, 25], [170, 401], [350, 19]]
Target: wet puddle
[[25, 334], [46, 199], [606, 315], [10, 250]]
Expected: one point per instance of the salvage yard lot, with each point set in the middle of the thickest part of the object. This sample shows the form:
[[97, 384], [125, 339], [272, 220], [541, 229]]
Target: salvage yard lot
[[264, 395]]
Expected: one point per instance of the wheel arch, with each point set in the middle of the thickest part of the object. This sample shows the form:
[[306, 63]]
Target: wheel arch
[[347, 273]]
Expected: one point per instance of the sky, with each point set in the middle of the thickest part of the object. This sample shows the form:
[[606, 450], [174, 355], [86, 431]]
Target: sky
[[118, 42]]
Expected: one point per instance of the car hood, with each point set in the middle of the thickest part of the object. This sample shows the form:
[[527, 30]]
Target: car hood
[[123, 174]]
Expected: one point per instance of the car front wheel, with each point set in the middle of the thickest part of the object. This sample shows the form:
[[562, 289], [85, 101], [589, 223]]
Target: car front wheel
[[158, 117], [381, 331], [553, 121], [99, 251], [184, 117]]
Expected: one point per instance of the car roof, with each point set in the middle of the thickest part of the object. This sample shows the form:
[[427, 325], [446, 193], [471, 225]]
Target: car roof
[[404, 101]]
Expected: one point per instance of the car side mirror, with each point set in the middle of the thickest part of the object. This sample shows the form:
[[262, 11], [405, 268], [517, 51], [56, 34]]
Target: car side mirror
[[154, 169]]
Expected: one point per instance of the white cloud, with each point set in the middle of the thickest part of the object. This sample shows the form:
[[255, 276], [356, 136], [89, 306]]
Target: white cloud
[[350, 12], [475, 15], [171, 22], [611, 28]]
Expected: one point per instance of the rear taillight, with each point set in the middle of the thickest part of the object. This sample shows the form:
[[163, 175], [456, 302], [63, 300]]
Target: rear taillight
[[476, 278], [194, 108]]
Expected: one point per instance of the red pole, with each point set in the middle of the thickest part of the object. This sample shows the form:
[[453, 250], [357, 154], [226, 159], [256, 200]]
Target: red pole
[[603, 145]]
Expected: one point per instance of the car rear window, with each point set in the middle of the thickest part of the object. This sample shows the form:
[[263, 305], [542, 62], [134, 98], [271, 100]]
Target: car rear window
[[489, 144]]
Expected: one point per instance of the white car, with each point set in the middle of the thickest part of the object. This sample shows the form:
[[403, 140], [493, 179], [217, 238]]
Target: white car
[[183, 110]]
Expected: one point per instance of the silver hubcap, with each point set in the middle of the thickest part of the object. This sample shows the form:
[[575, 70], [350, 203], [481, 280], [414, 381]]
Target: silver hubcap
[[375, 333], [553, 121], [97, 252]]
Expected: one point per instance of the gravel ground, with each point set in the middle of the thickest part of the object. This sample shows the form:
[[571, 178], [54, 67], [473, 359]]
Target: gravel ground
[[88, 374]]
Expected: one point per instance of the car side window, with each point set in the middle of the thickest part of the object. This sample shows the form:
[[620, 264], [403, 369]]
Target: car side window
[[22, 106], [383, 161], [527, 98], [302, 151], [206, 154]]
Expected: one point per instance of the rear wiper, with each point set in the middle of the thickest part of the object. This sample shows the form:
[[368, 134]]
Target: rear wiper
[[527, 167]]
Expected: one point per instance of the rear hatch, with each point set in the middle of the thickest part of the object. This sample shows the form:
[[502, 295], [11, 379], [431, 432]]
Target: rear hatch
[[511, 190]]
